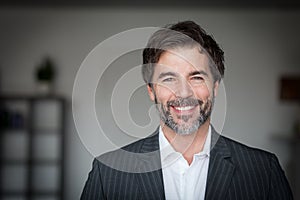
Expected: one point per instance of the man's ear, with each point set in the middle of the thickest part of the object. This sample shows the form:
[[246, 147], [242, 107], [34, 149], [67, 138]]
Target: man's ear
[[151, 92], [216, 88]]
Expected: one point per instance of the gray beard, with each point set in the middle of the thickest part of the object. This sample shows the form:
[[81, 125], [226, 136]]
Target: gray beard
[[186, 129]]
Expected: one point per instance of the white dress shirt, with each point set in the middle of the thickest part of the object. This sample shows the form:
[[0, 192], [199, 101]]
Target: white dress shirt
[[181, 180]]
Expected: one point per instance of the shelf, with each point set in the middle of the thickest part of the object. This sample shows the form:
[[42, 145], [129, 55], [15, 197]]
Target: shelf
[[34, 130], [33, 162], [32, 156], [46, 162], [13, 130], [29, 97], [14, 162], [12, 193], [47, 193], [47, 131]]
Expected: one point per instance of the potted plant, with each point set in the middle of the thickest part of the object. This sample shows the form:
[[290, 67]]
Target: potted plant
[[45, 75]]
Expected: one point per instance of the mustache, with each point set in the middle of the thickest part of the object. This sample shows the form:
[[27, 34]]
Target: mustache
[[184, 102]]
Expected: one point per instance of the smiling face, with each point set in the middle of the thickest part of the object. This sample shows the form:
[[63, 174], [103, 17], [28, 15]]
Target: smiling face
[[183, 88]]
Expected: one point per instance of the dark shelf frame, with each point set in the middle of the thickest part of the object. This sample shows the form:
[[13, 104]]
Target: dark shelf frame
[[30, 162]]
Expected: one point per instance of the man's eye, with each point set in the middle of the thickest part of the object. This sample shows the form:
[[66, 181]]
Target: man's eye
[[168, 79], [198, 78]]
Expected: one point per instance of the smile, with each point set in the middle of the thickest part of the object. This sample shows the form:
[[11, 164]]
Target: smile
[[184, 108]]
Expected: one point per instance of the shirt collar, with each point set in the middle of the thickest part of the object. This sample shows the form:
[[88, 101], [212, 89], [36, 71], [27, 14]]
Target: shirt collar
[[167, 152]]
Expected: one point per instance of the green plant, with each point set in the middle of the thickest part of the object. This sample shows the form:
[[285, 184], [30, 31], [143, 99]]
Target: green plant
[[45, 71]]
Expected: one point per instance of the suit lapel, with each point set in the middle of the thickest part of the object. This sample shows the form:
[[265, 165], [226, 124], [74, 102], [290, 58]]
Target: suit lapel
[[149, 176], [220, 170]]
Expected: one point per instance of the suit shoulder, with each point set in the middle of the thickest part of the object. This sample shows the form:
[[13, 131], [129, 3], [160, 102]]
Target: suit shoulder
[[259, 169], [134, 146], [240, 149], [126, 157]]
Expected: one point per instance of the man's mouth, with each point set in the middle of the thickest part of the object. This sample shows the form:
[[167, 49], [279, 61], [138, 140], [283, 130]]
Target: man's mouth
[[184, 108]]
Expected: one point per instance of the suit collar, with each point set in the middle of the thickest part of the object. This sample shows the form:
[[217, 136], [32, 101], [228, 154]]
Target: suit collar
[[221, 169], [149, 174], [151, 143], [149, 155], [218, 144]]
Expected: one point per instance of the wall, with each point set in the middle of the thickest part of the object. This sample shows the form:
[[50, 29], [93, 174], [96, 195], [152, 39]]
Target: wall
[[259, 45]]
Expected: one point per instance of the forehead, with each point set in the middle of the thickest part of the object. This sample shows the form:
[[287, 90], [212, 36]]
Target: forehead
[[183, 60]]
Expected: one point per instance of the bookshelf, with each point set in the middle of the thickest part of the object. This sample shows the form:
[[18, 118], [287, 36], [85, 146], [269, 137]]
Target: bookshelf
[[32, 147]]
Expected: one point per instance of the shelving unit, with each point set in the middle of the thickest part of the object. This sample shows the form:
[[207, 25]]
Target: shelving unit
[[32, 147]]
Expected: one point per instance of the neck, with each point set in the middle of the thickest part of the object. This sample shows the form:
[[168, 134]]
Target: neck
[[190, 144]]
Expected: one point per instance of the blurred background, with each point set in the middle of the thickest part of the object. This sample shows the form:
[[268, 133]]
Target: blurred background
[[43, 44]]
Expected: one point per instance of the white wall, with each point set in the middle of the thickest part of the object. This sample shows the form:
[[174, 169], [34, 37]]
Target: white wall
[[259, 47]]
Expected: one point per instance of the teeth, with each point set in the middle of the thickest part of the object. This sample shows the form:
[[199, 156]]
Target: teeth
[[184, 108]]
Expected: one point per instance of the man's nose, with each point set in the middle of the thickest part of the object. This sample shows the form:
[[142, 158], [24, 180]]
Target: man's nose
[[183, 89]]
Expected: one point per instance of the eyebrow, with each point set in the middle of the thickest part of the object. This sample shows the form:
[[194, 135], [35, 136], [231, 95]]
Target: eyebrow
[[164, 74], [201, 72]]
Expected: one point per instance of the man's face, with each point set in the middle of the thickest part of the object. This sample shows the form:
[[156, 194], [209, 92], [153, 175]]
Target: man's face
[[183, 89]]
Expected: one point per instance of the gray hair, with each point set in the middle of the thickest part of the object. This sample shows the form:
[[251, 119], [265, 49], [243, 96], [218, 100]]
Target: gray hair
[[182, 34]]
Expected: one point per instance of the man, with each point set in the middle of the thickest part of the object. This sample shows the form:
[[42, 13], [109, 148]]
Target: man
[[185, 158]]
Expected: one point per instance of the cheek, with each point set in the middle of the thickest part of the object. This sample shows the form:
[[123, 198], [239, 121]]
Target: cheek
[[164, 94], [202, 92]]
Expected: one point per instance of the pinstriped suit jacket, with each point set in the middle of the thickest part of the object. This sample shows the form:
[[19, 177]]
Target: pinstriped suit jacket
[[235, 172]]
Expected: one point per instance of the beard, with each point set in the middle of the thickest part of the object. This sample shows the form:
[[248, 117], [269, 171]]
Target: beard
[[185, 127]]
